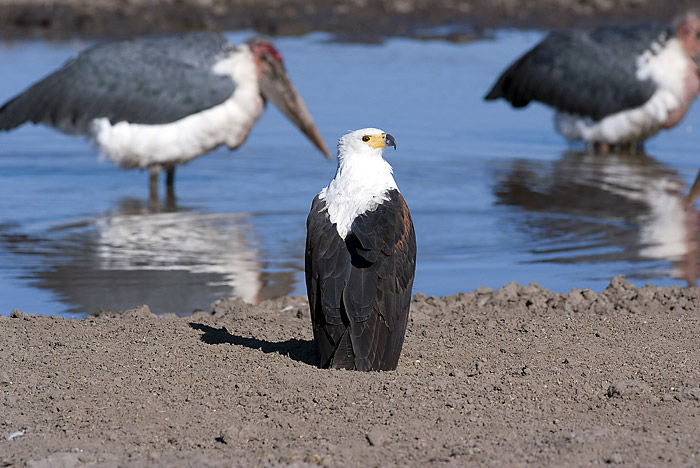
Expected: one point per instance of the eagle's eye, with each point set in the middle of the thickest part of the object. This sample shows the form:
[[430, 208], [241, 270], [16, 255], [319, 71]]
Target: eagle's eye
[[365, 138]]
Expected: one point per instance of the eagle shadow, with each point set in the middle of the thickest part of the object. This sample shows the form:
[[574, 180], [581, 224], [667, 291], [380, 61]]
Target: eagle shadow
[[296, 349]]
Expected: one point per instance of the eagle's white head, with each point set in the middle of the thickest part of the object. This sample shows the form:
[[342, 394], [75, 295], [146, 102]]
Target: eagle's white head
[[366, 142], [363, 177]]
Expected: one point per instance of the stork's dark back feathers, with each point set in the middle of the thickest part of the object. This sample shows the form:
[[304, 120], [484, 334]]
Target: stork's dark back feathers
[[588, 73], [144, 80]]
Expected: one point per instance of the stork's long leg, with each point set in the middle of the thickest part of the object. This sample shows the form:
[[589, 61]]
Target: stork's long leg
[[170, 182], [153, 173], [600, 147], [694, 191]]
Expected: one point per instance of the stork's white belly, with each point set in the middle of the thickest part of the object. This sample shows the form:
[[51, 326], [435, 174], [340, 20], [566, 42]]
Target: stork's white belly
[[634, 124], [137, 145]]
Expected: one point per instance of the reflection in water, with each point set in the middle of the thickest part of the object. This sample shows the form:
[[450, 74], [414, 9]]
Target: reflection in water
[[174, 260], [590, 217], [612, 207]]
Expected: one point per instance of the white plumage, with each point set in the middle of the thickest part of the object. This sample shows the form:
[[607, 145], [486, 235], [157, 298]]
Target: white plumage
[[361, 181]]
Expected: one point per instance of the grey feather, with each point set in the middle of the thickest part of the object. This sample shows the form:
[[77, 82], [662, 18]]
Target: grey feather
[[588, 73], [144, 80]]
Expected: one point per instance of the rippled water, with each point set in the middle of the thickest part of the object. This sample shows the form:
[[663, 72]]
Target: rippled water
[[496, 194]]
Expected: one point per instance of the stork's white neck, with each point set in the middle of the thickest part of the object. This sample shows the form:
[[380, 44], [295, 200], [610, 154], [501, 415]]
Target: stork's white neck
[[360, 184]]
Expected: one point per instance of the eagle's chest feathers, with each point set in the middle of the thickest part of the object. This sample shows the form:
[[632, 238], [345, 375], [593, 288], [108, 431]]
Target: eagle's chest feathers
[[358, 187]]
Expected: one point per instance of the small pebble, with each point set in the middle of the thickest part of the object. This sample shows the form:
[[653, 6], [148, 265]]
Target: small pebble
[[14, 434], [614, 459], [376, 437]]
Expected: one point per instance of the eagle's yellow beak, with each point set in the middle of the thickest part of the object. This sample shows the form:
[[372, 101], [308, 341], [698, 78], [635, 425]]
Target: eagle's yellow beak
[[380, 141]]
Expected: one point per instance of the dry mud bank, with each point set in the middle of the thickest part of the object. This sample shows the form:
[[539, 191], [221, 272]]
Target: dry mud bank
[[513, 377], [357, 19]]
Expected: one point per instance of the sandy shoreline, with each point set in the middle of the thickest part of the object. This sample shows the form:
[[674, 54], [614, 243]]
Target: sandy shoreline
[[354, 19], [513, 377]]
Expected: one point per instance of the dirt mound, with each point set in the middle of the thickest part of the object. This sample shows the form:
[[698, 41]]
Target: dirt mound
[[516, 376]]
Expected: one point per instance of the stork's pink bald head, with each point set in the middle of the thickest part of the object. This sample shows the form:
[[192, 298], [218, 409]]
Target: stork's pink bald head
[[686, 29]]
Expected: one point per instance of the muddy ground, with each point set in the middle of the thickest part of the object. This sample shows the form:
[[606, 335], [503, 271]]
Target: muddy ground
[[514, 377], [352, 19]]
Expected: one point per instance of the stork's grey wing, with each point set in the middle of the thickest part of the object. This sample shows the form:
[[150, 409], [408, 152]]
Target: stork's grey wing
[[586, 73], [145, 80]]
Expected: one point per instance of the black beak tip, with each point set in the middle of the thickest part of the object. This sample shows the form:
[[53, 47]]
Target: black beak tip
[[389, 141]]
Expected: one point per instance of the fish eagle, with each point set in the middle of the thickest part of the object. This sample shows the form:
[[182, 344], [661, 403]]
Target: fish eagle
[[360, 259]]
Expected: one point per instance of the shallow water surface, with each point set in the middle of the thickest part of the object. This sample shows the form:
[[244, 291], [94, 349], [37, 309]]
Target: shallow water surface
[[496, 195]]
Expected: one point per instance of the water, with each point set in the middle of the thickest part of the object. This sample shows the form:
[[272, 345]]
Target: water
[[496, 195]]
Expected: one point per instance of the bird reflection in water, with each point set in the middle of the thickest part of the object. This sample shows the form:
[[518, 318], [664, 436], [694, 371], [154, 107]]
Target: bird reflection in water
[[605, 208], [174, 260]]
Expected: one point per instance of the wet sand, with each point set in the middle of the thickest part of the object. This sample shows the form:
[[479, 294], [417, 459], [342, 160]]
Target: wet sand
[[353, 19], [513, 377]]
